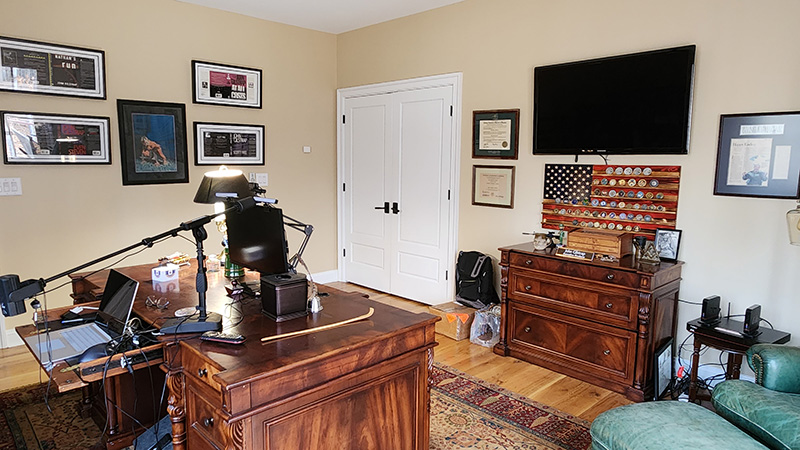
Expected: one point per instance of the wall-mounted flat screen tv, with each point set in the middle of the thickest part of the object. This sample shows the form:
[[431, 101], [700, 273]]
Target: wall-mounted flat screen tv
[[633, 104]]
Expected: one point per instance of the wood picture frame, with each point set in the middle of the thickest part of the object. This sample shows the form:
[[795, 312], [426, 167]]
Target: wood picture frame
[[493, 186], [495, 134], [152, 142], [226, 85], [232, 144], [43, 138], [758, 155], [668, 243], [51, 69]]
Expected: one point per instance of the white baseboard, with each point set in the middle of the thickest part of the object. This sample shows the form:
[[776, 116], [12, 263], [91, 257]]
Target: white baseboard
[[12, 339], [326, 277]]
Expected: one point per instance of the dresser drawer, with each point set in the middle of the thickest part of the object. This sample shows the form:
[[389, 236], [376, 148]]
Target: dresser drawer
[[573, 343], [612, 306], [202, 417], [199, 369], [575, 269]]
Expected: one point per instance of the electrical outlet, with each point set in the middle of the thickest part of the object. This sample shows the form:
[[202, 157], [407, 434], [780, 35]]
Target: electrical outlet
[[10, 186]]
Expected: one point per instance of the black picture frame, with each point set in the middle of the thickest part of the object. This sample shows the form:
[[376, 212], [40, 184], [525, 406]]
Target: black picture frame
[[43, 138], [663, 369], [668, 243], [152, 142], [495, 134], [51, 69], [758, 155], [228, 143], [226, 85]]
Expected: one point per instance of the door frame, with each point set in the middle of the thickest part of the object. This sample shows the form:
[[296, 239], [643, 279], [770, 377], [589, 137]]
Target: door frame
[[453, 80]]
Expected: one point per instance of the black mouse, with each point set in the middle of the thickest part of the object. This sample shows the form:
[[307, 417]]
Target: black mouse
[[94, 352]]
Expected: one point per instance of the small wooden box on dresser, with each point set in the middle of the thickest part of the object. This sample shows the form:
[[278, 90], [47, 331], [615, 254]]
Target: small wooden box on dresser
[[600, 322]]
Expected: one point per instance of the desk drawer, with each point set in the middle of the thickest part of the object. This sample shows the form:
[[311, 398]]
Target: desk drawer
[[575, 269], [202, 417], [199, 369], [574, 344], [609, 305]]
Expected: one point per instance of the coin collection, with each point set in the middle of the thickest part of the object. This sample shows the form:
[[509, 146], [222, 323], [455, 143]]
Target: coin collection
[[637, 199]]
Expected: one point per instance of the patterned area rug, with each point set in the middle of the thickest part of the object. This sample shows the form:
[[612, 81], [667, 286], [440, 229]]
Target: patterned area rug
[[469, 413], [466, 413]]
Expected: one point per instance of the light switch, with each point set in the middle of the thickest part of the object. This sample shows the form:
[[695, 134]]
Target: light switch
[[262, 179]]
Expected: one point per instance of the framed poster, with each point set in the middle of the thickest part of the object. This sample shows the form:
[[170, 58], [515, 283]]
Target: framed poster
[[152, 139], [495, 134], [758, 155], [53, 69], [221, 143], [219, 84], [493, 186], [38, 138]]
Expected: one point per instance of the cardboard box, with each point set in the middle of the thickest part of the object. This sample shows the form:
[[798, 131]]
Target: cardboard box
[[456, 319]]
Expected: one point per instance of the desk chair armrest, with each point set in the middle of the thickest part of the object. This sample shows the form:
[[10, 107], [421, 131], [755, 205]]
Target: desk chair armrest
[[777, 367]]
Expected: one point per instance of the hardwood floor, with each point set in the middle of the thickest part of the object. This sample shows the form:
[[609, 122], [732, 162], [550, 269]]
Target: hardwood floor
[[18, 368]]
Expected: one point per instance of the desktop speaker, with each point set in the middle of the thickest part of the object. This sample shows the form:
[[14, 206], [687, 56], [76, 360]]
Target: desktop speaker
[[752, 317], [710, 313]]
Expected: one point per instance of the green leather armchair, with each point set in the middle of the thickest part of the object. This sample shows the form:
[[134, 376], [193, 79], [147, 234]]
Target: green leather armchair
[[768, 409]]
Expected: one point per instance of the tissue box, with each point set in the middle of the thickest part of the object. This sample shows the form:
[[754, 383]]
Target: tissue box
[[456, 319], [167, 272]]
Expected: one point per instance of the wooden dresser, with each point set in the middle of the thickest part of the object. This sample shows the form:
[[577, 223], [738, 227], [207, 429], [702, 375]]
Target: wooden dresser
[[596, 321]]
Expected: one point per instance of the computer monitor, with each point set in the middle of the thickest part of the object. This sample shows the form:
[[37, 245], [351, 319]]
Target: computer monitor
[[257, 239]]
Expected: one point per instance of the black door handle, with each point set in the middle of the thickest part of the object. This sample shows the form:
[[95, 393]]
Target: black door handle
[[394, 208], [385, 207]]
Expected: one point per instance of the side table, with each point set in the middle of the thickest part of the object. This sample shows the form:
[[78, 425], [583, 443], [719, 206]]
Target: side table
[[726, 335]]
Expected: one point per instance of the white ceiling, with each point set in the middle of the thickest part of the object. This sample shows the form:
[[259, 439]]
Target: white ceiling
[[330, 16]]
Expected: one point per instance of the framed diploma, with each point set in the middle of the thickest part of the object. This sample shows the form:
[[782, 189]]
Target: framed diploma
[[495, 134], [37, 138], [52, 69], [493, 186], [219, 84], [220, 143], [758, 155]]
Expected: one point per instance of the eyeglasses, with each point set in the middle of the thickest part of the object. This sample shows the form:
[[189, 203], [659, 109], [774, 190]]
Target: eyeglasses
[[157, 302]]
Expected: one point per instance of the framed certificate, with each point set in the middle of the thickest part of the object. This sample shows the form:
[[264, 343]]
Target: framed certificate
[[219, 84], [493, 186], [52, 69], [39, 138], [222, 143], [495, 134]]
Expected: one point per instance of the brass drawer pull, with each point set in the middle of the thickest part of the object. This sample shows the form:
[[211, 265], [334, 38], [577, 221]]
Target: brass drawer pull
[[528, 288], [208, 421], [202, 372], [610, 276], [609, 305], [527, 329], [606, 352], [528, 262]]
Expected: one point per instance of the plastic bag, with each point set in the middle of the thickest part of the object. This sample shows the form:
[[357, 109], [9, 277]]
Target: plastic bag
[[485, 328]]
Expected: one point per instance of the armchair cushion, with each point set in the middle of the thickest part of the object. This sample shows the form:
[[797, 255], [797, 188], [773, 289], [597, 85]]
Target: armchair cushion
[[776, 367], [772, 417]]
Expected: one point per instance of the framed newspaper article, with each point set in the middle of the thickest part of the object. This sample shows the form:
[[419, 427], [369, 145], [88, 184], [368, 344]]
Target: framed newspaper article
[[53, 69], [152, 140], [223, 143], [38, 138], [219, 84]]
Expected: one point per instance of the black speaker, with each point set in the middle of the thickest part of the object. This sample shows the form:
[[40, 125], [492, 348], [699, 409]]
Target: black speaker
[[752, 317], [710, 313]]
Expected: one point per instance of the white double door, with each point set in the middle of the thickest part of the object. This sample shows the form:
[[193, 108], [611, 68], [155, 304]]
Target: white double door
[[397, 157]]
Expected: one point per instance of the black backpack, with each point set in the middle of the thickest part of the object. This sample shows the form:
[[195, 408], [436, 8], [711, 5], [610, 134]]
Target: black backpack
[[475, 280]]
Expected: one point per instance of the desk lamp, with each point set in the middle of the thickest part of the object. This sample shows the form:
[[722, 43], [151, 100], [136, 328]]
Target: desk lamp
[[793, 224]]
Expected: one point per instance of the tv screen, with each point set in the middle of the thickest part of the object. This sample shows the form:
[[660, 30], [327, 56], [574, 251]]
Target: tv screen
[[257, 239], [631, 104]]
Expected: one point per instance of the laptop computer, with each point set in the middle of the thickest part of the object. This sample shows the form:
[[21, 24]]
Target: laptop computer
[[114, 312]]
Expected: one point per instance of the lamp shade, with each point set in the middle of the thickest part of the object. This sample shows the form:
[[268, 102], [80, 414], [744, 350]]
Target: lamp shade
[[225, 182]]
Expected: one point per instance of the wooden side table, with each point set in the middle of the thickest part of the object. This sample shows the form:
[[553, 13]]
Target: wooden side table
[[727, 336]]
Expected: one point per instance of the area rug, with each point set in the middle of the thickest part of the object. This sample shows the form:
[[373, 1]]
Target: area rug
[[466, 413]]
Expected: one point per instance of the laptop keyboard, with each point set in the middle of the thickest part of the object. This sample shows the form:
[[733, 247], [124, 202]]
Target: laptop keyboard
[[84, 337]]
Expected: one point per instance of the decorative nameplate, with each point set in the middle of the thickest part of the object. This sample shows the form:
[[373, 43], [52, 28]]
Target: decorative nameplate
[[577, 254]]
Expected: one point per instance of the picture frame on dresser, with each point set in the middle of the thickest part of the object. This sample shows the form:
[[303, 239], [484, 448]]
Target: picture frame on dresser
[[754, 155], [668, 242]]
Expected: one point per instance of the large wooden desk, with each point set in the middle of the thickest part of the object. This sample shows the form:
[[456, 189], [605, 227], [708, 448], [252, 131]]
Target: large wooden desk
[[363, 385]]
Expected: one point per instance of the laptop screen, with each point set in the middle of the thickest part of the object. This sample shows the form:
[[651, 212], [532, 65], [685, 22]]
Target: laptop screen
[[117, 301]]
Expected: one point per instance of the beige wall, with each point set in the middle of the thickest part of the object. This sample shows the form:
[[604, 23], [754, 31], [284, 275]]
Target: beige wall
[[68, 215], [746, 62]]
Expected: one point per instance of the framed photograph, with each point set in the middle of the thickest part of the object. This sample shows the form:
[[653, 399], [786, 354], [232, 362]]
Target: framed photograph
[[152, 140], [667, 244], [663, 368], [52, 69], [493, 186], [219, 84], [223, 143], [38, 138], [495, 134], [758, 155]]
